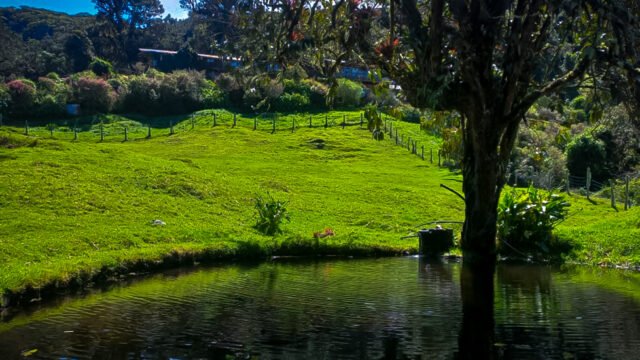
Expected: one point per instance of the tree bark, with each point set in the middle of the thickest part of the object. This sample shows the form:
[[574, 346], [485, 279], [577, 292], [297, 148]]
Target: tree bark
[[488, 141]]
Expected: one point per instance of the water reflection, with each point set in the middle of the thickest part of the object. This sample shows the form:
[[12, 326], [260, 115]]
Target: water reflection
[[373, 309]]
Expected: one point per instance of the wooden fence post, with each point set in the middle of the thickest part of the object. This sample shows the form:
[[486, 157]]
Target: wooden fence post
[[126, 134], [344, 121], [75, 133], [171, 127], [101, 133], [422, 152], [627, 203], [274, 124], [255, 123], [26, 127], [613, 193], [568, 185], [409, 144], [149, 131], [362, 121], [588, 185], [51, 128], [326, 121], [439, 159], [293, 124]]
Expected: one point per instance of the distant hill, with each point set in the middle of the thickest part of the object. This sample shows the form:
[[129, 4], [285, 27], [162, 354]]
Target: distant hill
[[34, 40]]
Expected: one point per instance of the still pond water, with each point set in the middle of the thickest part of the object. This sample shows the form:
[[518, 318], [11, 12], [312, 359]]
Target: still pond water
[[365, 309]]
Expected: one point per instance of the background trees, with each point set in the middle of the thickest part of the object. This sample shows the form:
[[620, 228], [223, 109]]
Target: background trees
[[491, 61]]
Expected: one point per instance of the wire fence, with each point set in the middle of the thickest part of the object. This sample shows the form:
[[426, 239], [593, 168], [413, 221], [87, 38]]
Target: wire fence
[[117, 128], [622, 190]]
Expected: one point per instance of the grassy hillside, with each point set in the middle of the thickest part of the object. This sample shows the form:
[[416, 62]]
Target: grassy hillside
[[72, 209], [601, 235]]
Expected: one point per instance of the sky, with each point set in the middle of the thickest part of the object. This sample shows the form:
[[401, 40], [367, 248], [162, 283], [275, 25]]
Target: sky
[[76, 6]]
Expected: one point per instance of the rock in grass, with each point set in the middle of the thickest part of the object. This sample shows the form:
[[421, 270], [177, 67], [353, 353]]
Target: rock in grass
[[158, 222]]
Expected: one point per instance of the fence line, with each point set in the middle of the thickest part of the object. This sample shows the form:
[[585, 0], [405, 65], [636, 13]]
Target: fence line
[[618, 189], [103, 131]]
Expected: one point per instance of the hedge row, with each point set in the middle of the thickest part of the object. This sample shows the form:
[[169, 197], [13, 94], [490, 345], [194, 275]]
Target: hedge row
[[156, 93]]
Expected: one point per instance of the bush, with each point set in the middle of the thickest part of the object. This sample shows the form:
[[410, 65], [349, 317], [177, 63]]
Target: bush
[[289, 102], [143, 95], [296, 87], [348, 93], [5, 98], [585, 151], [52, 97], [49, 106], [94, 95], [120, 87], [406, 113], [271, 214], [317, 93], [23, 96], [180, 91], [230, 86], [526, 221], [212, 96], [101, 67]]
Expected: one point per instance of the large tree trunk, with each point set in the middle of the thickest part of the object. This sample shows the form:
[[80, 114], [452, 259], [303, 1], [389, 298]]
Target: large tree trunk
[[482, 185], [481, 201]]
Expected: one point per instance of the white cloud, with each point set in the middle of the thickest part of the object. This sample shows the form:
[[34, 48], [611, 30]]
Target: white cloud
[[173, 7]]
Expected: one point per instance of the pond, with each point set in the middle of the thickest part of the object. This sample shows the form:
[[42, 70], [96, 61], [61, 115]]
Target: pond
[[390, 308]]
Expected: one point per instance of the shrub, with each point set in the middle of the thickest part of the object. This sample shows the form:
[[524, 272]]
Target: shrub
[[180, 91], [317, 93], [94, 95], [52, 97], [406, 113], [53, 76], [23, 96], [143, 94], [212, 96], [101, 67], [271, 214], [296, 87], [251, 98], [231, 86], [526, 220], [5, 98], [374, 122], [289, 102], [49, 105], [348, 93], [585, 151]]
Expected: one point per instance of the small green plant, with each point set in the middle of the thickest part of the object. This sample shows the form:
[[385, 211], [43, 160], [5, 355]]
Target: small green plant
[[526, 220], [271, 214]]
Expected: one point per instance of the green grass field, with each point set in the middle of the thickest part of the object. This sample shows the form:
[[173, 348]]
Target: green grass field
[[72, 209]]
